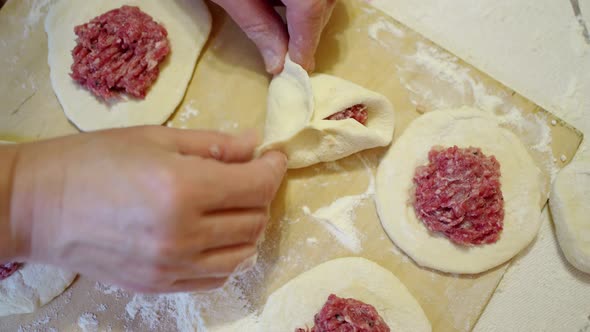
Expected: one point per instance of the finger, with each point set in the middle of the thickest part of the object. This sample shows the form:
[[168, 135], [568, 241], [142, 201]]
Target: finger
[[206, 284], [247, 185], [306, 20], [264, 27], [215, 145], [231, 228], [220, 263]]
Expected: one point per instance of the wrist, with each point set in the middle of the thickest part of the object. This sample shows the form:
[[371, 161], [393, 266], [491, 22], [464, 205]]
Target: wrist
[[9, 243]]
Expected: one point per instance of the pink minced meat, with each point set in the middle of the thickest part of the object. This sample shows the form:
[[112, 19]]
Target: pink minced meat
[[6, 270], [347, 315], [357, 112], [458, 194], [119, 51]]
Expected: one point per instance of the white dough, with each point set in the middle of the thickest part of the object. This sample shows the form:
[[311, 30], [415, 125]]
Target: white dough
[[31, 287], [521, 184], [298, 105], [570, 208], [295, 304], [188, 23]]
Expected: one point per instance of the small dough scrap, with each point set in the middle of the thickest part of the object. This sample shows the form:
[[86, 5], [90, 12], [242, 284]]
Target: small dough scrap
[[570, 207], [188, 23], [521, 184], [295, 304], [298, 105], [31, 287]]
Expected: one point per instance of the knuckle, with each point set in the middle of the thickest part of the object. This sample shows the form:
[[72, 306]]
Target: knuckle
[[168, 191], [164, 250], [257, 30]]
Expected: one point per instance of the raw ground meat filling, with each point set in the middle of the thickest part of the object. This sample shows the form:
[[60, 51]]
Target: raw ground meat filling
[[6, 270], [357, 112], [119, 51], [347, 315], [458, 194]]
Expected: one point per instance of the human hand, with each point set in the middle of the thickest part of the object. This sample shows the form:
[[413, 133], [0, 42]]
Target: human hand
[[305, 21], [152, 209]]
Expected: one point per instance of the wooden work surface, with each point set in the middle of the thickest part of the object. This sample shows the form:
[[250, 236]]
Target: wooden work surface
[[228, 92]]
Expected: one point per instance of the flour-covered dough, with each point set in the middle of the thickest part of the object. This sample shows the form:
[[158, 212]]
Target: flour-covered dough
[[298, 105], [31, 287], [188, 23], [521, 184], [295, 304], [570, 208]]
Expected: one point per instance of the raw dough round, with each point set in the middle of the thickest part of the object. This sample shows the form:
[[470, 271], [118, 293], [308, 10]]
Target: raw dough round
[[295, 304], [570, 208], [31, 287], [298, 105], [521, 182], [188, 23]]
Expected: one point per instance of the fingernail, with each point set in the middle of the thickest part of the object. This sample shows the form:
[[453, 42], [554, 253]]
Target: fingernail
[[278, 160], [215, 152]]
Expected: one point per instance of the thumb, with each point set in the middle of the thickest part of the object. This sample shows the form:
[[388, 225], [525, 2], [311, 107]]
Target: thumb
[[264, 27]]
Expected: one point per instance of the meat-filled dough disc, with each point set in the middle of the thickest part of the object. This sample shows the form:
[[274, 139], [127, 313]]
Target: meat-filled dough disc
[[295, 304], [188, 23], [521, 185], [296, 117]]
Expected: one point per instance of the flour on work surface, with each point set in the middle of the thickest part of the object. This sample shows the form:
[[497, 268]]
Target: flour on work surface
[[447, 83], [189, 111], [384, 25], [339, 217], [36, 13], [110, 290], [88, 322], [222, 310]]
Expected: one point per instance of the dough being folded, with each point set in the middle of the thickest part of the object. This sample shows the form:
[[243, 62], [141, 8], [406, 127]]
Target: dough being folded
[[570, 208], [298, 105]]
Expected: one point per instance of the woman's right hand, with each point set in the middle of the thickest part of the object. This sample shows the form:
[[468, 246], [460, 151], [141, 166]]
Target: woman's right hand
[[152, 209]]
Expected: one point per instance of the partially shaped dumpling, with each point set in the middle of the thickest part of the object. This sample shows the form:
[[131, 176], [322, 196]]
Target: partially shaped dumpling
[[323, 118]]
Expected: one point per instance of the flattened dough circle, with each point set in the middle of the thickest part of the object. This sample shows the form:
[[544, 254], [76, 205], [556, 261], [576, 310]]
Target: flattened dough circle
[[521, 182], [570, 208], [295, 304], [188, 23]]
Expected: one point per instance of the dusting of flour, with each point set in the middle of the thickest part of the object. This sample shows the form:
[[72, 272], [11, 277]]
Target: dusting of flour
[[339, 217], [447, 83], [88, 322], [36, 13], [221, 310]]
